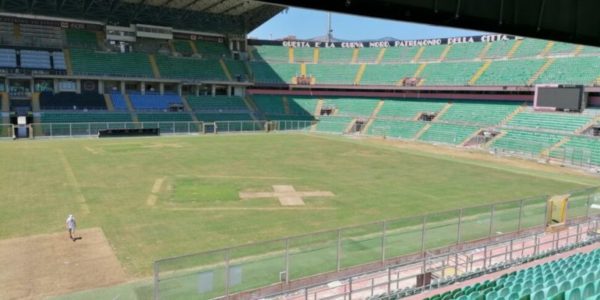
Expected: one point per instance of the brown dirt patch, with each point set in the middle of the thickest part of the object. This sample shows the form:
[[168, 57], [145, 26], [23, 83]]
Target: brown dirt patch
[[39, 266]]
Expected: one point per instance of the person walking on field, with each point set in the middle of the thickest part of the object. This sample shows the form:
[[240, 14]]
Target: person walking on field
[[71, 224]]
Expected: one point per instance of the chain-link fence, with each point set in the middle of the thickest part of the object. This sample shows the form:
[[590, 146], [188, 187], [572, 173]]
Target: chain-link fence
[[228, 271]]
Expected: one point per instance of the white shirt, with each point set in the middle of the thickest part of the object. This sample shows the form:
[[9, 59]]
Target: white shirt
[[71, 222]]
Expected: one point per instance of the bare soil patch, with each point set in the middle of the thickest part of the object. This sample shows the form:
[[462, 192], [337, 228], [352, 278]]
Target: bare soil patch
[[39, 266]]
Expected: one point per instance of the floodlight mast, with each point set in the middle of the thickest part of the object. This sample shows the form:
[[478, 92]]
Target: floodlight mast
[[329, 29]]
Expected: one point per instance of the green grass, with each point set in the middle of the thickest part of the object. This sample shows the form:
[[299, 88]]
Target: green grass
[[198, 210]]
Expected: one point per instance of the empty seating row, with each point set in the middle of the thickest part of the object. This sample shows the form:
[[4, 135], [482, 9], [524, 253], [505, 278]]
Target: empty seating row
[[580, 149], [574, 70], [333, 74], [409, 108], [89, 62], [190, 68], [302, 105], [510, 72], [216, 104], [333, 124], [275, 73], [488, 113], [32, 59], [574, 277], [72, 101], [387, 74], [395, 128], [552, 121], [449, 73], [270, 104], [81, 38], [351, 106], [525, 142], [84, 117], [154, 102], [448, 133]]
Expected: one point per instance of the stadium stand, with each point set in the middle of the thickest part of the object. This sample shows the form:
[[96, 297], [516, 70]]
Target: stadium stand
[[7, 32], [118, 102], [183, 47], [432, 53], [216, 104], [328, 74], [484, 113], [525, 142], [154, 102], [303, 55], [215, 117], [510, 72], [271, 53], [582, 149], [351, 106], [395, 128], [409, 109], [89, 62], [212, 50], [574, 277], [82, 117], [451, 73], [530, 48], [58, 59], [277, 73], [81, 39], [335, 55], [399, 55], [448, 133], [562, 48], [164, 117], [333, 124], [499, 49], [368, 55], [387, 74], [189, 68], [302, 105], [8, 58], [270, 105], [573, 70], [237, 70], [551, 121], [33, 59], [72, 101], [466, 51]]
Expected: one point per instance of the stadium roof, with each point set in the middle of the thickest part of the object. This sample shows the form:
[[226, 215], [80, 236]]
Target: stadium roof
[[220, 16], [573, 21]]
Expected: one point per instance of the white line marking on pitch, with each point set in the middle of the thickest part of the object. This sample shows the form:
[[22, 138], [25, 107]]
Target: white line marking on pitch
[[72, 180]]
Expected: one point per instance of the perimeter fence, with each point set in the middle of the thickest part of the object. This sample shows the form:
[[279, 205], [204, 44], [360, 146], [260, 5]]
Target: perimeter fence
[[220, 273]]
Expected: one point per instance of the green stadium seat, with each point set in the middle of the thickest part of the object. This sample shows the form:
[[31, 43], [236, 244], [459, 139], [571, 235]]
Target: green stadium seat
[[389, 74], [449, 73], [89, 62], [190, 68], [499, 49], [333, 74], [352, 106], [510, 72], [486, 113], [399, 55]]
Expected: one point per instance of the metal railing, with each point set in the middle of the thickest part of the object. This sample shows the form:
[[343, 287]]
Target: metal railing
[[229, 271], [450, 267], [49, 130]]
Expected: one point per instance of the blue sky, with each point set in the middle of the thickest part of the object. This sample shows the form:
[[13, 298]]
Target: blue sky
[[304, 24]]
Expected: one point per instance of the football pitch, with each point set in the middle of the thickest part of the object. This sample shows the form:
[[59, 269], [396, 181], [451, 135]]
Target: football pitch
[[163, 197]]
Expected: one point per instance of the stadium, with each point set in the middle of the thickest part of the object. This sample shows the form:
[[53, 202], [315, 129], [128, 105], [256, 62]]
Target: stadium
[[201, 163]]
